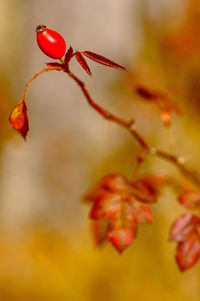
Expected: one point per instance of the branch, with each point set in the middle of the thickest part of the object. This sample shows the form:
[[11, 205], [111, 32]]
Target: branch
[[126, 124], [130, 126]]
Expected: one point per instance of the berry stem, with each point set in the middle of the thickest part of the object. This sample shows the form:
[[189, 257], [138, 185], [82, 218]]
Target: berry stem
[[32, 79]]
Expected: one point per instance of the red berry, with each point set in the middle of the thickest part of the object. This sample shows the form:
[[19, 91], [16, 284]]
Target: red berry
[[50, 42]]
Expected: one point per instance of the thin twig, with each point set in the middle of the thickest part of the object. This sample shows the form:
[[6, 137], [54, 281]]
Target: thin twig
[[140, 160], [32, 79], [130, 126], [127, 124]]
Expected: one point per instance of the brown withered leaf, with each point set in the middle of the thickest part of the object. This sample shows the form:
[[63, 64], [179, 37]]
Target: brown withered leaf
[[102, 60], [124, 205], [19, 118], [83, 62], [186, 232]]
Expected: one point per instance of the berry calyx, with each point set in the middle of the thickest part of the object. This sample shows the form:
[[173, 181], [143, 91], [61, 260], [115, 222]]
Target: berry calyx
[[50, 42]]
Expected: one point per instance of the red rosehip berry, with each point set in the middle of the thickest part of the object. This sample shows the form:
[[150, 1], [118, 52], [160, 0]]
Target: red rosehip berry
[[50, 42]]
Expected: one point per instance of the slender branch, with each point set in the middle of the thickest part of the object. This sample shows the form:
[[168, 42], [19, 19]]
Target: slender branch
[[49, 67], [32, 79], [130, 126], [139, 162], [127, 124]]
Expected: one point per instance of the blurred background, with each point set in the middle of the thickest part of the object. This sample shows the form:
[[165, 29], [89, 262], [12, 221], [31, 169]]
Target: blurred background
[[46, 247]]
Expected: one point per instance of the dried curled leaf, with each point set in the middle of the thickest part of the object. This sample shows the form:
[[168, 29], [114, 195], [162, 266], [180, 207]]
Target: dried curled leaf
[[186, 232], [83, 62], [123, 205], [19, 118], [102, 60]]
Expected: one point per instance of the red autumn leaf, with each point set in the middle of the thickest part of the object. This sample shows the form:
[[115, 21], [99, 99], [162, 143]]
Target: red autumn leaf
[[19, 118], [68, 56], [112, 183], [83, 62], [105, 206], [181, 227], [102, 60], [99, 231], [186, 232], [122, 229], [116, 200], [188, 252], [149, 187], [189, 198]]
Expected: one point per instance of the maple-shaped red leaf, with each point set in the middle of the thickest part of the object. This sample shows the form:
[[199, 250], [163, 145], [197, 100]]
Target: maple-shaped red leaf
[[19, 118], [186, 232], [150, 187], [116, 200], [83, 62], [122, 228], [113, 183], [102, 60], [189, 198]]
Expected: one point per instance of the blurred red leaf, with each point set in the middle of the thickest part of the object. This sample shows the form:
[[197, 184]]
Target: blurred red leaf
[[181, 227], [102, 60], [161, 100], [99, 231], [19, 118], [186, 232], [188, 252], [149, 187], [121, 203], [122, 229], [83, 62], [155, 90], [189, 198]]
